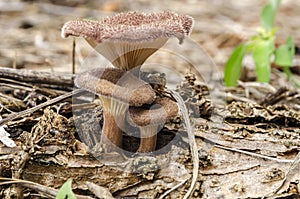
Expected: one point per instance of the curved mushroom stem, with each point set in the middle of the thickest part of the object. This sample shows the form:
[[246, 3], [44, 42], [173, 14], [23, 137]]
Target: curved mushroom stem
[[148, 139], [113, 115], [111, 137]]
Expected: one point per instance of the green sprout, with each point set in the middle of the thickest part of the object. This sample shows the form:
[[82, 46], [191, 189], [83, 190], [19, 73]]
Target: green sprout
[[262, 47], [65, 191]]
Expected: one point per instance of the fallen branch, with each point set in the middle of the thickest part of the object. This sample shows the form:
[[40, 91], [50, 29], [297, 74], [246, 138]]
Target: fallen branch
[[58, 80], [13, 116]]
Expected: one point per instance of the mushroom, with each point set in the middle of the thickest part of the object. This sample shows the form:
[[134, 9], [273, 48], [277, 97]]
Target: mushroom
[[117, 90], [128, 39], [148, 120]]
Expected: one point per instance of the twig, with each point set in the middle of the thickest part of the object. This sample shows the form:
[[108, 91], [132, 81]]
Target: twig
[[291, 169], [172, 189], [230, 95], [13, 116], [42, 78], [192, 143], [253, 154], [73, 55], [242, 151], [51, 192]]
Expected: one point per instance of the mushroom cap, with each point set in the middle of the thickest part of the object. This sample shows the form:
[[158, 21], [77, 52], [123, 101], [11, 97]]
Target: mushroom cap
[[165, 109], [116, 84], [130, 38], [131, 27]]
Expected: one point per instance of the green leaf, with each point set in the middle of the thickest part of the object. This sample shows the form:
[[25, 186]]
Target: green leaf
[[284, 54], [261, 54], [268, 13], [275, 4], [65, 192], [290, 77], [233, 66], [267, 17]]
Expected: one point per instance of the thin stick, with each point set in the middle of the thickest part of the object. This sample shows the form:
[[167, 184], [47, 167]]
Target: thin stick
[[172, 189], [244, 152], [253, 154], [49, 191], [192, 143], [73, 55], [13, 116], [288, 175]]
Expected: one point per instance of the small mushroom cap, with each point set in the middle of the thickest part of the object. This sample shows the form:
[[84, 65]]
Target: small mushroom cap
[[128, 39], [116, 84], [141, 117]]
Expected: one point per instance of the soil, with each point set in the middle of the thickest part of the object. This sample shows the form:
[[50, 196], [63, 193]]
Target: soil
[[247, 137]]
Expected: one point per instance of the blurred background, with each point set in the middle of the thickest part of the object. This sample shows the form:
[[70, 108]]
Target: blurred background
[[30, 30]]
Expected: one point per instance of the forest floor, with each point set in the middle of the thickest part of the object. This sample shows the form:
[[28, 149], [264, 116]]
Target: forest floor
[[247, 137]]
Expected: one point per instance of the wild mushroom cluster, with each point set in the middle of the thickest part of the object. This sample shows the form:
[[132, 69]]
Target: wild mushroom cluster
[[127, 40]]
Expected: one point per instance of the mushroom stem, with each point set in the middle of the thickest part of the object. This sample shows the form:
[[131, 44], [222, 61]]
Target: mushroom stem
[[111, 136], [113, 115], [148, 139]]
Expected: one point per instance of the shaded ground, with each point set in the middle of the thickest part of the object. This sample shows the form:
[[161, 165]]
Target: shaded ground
[[248, 137]]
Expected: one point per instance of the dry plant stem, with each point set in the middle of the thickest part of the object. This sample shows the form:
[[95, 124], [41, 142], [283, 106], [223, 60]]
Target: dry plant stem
[[253, 154], [192, 142], [242, 151], [73, 55], [172, 189]]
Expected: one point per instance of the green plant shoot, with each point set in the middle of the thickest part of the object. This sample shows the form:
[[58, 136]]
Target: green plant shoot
[[233, 67], [262, 47], [284, 54], [65, 191], [268, 13]]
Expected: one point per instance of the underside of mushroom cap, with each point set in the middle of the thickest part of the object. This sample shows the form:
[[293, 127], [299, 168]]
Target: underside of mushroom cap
[[165, 109], [116, 84], [128, 39]]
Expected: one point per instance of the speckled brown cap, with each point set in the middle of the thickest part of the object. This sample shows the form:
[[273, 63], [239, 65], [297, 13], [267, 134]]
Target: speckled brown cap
[[165, 110], [117, 84], [131, 27], [128, 39]]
